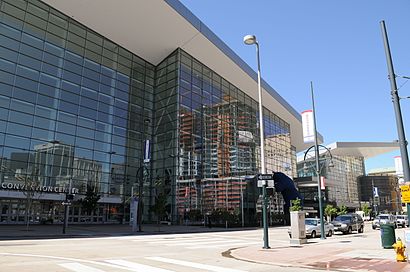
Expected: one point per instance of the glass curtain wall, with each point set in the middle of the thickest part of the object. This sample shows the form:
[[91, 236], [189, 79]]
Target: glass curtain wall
[[218, 147], [76, 110], [346, 172], [72, 105], [165, 152], [341, 180]]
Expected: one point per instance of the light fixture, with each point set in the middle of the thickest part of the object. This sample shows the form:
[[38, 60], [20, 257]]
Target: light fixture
[[249, 39]]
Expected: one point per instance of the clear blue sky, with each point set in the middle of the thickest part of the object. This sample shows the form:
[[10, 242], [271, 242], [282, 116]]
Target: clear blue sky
[[336, 44]]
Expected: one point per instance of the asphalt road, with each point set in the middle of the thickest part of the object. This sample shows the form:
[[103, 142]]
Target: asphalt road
[[145, 253]]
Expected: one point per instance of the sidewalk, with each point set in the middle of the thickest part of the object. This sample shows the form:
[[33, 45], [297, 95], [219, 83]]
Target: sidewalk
[[54, 231], [352, 253]]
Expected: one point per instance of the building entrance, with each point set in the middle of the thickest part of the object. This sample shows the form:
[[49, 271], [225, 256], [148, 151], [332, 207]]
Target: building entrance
[[14, 211]]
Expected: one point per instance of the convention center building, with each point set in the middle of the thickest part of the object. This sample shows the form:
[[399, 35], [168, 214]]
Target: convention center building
[[107, 102]]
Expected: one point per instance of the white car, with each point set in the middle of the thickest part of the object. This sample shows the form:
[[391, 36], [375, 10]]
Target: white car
[[312, 228], [402, 220], [382, 219]]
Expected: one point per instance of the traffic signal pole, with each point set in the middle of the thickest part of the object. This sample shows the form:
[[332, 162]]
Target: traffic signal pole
[[397, 110]]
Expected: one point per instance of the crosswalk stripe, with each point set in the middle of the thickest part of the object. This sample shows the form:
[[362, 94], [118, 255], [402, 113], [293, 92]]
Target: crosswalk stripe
[[204, 243], [194, 265], [77, 267], [156, 237], [137, 267], [184, 240], [223, 245]]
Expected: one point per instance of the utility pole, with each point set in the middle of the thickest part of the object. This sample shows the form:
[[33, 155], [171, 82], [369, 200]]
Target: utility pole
[[397, 110]]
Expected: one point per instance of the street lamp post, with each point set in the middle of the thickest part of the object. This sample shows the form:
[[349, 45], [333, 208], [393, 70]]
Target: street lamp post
[[317, 168], [318, 171], [69, 197], [249, 40], [144, 172]]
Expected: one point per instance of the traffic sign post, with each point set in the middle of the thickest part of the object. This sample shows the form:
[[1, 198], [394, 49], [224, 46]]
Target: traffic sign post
[[265, 176], [265, 180]]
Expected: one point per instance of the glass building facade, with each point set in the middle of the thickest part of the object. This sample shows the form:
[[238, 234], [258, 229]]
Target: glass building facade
[[78, 112], [341, 180]]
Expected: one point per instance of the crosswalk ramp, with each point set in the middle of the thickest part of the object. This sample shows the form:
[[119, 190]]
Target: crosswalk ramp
[[199, 242], [155, 262]]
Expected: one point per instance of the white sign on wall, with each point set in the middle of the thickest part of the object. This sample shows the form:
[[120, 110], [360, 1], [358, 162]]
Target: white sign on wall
[[308, 126]]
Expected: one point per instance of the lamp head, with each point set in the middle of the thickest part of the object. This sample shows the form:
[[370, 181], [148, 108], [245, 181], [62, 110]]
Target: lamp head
[[249, 39], [331, 164]]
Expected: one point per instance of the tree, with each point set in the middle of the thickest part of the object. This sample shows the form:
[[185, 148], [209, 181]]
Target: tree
[[90, 202], [160, 207], [342, 210], [330, 211], [366, 209], [222, 216], [30, 185], [296, 205]]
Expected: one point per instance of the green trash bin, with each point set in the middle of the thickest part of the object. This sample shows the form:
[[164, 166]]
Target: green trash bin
[[388, 235]]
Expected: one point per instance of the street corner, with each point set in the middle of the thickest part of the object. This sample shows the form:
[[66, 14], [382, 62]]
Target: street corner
[[361, 264], [335, 259], [286, 256]]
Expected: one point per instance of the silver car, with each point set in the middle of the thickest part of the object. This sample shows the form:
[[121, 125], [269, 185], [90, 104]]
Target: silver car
[[312, 228], [384, 219]]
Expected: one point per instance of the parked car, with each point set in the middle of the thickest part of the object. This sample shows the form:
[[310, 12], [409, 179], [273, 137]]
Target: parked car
[[402, 220], [312, 228], [384, 219], [348, 222]]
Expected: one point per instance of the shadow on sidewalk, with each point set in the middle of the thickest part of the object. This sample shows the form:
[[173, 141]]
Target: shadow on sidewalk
[[19, 232]]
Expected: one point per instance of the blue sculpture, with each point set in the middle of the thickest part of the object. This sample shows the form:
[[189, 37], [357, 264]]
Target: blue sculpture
[[286, 187]]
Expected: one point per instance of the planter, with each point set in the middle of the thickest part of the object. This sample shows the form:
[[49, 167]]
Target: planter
[[297, 228]]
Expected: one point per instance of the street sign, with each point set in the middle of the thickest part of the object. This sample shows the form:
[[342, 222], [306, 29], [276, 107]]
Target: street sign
[[262, 183], [405, 193], [265, 176], [268, 183]]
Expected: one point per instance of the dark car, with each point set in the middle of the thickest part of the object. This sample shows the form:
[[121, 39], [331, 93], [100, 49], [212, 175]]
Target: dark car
[[347, 223]]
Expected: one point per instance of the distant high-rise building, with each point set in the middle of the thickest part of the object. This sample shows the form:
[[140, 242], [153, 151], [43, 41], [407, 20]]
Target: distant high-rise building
[[342, 181]]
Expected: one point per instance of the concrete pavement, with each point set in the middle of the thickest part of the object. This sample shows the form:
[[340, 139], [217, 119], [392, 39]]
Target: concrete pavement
[[355, 252]]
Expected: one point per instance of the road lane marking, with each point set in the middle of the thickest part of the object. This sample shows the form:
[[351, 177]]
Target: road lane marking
[[65, 259], [183, 243], [189, 241], [224, 245], [77, 267], [194, 265], [137, 267]]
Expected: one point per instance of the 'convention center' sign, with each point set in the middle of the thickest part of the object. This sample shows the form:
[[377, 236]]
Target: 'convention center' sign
[[36, 188]]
